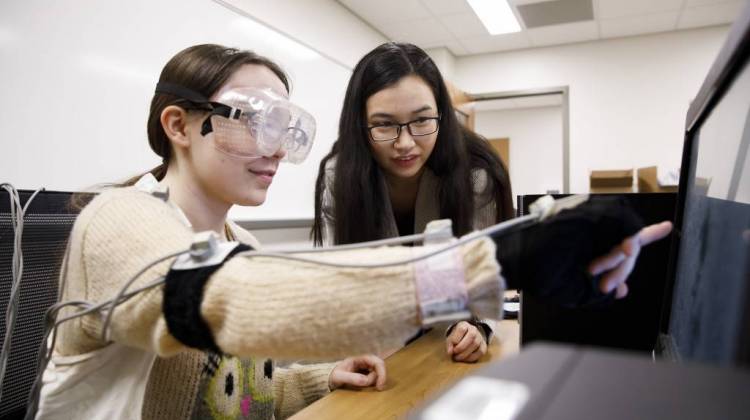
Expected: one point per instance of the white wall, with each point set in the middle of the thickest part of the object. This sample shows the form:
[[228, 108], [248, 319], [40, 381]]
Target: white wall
[[78, 77], [81, 75], [628, 97], [535, 152], [444, 60], [283, 238]]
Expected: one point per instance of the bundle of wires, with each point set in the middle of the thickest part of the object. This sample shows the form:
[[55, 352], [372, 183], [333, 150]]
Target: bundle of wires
[[17, 213], [108, 307]]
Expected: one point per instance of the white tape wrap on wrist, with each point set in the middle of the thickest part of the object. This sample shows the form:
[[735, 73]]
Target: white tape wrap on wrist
[[441, 288]]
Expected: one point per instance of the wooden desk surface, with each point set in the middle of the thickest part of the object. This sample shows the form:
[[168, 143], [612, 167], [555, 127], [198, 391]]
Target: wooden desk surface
[[414, 373]]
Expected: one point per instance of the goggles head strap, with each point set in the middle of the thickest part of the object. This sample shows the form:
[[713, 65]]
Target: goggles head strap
[[197, 98]]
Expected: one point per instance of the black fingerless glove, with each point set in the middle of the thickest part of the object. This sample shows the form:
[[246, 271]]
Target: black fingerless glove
[[550, 259]]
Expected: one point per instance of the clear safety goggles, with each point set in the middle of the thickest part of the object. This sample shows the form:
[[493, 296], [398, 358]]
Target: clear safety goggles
[[252, 122]]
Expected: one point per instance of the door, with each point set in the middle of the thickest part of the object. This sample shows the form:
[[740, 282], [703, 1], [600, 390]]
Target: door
[[502, 147]]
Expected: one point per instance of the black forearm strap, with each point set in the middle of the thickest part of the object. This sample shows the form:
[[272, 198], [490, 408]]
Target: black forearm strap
[[183, 295], [483, 328], [550, 259]]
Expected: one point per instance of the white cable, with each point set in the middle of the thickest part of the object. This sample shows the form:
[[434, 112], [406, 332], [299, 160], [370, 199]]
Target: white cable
[[117, 300], [541, 209], [45, 353], [11, 313], [47, 345], [52, 323], [121, 297], [285, 255], [417, 237], [121, 292]]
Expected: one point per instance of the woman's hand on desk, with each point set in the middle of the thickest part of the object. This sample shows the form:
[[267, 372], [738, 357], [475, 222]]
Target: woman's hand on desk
[[465, 343], [358, 372]]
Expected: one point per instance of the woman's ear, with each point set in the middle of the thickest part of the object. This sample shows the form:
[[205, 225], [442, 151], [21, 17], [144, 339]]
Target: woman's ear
[[174, 121]]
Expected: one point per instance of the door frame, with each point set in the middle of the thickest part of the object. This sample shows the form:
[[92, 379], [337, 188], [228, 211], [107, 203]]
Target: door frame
[[556, 90]]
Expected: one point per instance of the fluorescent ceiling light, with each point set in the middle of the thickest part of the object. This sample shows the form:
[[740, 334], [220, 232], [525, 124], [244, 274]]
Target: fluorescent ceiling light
[[496, 16]]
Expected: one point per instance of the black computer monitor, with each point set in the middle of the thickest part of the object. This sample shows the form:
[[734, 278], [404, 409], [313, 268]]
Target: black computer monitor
[[706, 315]]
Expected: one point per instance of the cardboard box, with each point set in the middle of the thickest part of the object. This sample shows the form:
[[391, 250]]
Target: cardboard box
[[649, 181], [611, 181]]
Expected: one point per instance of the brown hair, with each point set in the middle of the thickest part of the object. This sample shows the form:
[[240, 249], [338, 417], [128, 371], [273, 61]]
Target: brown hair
[[203, 69]]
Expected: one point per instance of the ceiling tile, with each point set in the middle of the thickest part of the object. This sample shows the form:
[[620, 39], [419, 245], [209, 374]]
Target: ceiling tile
[[609, 9], [464, 25], [715, 14], [420, 32], [490, 43], [435, 43], [382, 11], [563, 34], [452, 24], [447, 7], [636, 25], [456, 48]]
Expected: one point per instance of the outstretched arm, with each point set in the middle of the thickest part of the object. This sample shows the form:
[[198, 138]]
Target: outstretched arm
[[257, 306]]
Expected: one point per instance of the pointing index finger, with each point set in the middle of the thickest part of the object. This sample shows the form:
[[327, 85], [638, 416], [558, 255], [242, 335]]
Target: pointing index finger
[[655, 232]]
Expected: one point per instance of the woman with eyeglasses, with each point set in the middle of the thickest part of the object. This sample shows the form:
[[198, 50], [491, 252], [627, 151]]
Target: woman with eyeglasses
[[401, 160]]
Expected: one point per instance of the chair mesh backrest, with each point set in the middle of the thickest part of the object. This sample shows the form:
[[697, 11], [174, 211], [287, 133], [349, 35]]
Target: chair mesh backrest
[[47, 226]]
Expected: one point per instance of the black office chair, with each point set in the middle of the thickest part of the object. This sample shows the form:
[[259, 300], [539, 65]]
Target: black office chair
[[47, 225]]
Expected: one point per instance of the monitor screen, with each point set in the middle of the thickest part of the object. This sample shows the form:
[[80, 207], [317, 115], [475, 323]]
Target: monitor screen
[[707, 319]]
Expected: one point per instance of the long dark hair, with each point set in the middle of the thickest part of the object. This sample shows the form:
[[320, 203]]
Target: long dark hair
[[358, 199]]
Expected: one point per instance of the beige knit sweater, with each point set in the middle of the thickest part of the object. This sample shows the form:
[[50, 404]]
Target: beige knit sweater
[[254, 307]]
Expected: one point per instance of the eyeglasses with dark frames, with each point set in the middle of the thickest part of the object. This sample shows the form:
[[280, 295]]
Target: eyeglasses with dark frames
[[422, 126]]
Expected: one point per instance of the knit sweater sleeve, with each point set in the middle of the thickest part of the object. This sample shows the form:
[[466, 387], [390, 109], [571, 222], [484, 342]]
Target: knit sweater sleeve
[[298, 386], [259, 306]]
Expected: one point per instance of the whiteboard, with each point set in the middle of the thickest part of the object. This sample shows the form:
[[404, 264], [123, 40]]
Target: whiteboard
[[77, 78]]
